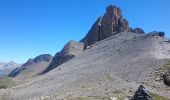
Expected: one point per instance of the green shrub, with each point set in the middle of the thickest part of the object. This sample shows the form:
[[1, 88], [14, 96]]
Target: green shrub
[[6, 82], [158, 97]]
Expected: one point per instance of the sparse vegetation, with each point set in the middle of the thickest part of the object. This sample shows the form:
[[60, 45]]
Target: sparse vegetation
[[91, 98], [167, 64], [108, 77], [158, 97], [117, 91], [6, 82]]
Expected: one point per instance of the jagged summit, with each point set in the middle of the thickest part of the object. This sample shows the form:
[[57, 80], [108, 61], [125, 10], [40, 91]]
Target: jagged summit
[[112, 10], [111, 23]]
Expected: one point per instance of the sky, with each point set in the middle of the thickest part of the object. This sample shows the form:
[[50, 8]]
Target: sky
[[29, 28]]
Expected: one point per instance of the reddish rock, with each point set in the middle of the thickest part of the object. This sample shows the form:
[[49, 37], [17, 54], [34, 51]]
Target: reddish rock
[[110, 24]]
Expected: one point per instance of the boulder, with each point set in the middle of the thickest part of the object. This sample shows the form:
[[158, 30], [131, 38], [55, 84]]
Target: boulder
[[141, 94], [166, 78]]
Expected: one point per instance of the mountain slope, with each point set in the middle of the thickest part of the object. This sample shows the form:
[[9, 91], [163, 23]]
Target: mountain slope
[[116, 62], [70, 50], [120, 63], [32, 67]]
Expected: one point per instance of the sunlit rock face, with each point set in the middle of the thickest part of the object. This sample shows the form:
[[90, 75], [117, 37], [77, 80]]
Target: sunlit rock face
[[110, 24]]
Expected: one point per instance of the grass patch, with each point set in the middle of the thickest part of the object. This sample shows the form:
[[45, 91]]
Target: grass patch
[[6, 82], [167, 64], [100, 98], [108, 77], [117, 92], [81, 98], [90, 98], [158, 97]]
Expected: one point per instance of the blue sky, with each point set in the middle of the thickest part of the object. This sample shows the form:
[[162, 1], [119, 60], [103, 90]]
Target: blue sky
[[32, 27]]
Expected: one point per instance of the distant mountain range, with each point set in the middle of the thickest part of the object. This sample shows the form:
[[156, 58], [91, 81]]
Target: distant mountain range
[[7, 67], [32, 67]]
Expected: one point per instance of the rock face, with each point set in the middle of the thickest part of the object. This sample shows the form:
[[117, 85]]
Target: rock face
[[110, 24], [141, 94], [32, 67], [70, 50], [166, 78]]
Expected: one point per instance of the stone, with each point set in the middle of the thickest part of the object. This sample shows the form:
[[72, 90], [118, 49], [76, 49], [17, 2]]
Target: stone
[[141, 94]]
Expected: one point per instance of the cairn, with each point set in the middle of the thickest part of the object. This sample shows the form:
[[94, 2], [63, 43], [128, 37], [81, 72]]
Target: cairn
[[141, 94]]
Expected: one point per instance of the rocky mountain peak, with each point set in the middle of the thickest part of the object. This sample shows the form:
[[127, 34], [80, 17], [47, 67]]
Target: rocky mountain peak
[[72, 47], [43, 57], [112, 10], [110, 24]]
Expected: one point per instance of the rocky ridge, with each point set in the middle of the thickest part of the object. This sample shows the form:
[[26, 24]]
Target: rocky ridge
[[32, 66], [70, 50]]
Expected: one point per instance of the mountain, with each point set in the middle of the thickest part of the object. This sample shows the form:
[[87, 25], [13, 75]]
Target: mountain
[[70, 50], [6, 68], [32, 67], [118, 60], [110, 24]]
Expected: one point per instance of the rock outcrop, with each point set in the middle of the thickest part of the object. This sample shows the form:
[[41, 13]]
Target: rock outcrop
[[70, 50], [155, 33], [110, 24], [32, 67], [136, 30]]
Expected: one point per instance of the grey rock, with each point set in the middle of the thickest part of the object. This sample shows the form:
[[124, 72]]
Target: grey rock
[[137, 30], [155, 33], [142, 94]]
